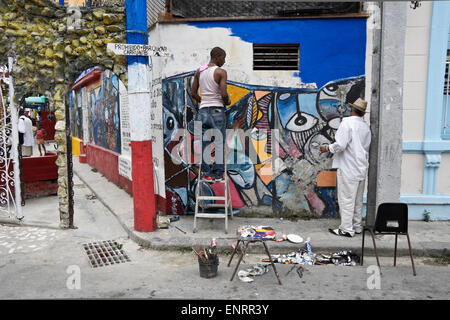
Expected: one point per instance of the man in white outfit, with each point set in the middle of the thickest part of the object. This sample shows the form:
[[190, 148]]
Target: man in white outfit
[[351, 157], [26, 128]]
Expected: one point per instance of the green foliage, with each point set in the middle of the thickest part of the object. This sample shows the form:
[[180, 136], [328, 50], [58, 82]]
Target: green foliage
[[427, 215]]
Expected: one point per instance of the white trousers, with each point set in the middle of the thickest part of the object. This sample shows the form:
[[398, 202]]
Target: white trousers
[[350, 198]]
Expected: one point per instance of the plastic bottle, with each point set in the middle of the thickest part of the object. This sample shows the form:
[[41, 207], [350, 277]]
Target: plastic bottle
[[213, 246], [308, 247], [311, 257]]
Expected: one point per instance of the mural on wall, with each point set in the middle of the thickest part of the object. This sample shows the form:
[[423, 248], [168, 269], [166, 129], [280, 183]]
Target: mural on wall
[[107, 112], [92, 117], [103, 112], [76, 113], [264, 170]]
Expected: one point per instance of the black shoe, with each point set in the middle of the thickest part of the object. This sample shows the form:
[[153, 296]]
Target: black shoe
[[339, 232]]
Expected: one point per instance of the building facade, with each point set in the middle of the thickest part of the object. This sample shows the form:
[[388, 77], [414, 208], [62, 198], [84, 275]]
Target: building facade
[[301, 100], [426, 142]]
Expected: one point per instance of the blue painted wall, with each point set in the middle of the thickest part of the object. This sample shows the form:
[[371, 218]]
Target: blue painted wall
[[330, 49]]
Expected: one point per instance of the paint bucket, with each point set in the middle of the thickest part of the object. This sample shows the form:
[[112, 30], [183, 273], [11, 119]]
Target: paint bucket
[[208, 267]]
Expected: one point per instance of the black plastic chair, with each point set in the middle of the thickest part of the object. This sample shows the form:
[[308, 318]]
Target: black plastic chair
[[392, 218]]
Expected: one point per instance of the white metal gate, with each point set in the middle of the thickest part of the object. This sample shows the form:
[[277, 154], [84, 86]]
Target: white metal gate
[[10, 204]]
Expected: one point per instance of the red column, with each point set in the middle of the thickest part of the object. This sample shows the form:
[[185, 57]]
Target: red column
[[142, 172]]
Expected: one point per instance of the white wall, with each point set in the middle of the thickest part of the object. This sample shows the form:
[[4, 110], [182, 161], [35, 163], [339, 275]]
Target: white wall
[[414, 92], [443, 184], [412, 173], [416, 71]]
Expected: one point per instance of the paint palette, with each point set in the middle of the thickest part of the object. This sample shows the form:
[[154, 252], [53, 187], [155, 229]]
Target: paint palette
[[294, 238]]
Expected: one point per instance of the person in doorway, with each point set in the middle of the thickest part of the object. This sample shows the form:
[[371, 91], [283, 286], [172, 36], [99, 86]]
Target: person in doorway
[[212, 81], [40, 134], [351, 154], [26, 139]]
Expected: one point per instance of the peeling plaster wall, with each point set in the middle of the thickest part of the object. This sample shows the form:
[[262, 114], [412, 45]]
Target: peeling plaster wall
[[52, 46]]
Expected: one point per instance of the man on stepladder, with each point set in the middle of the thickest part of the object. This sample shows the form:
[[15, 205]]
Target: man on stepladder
[[351, 157], [212, 81]]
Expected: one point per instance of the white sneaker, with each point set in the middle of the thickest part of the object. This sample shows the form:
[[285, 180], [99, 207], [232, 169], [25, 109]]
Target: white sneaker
[[340, 232]]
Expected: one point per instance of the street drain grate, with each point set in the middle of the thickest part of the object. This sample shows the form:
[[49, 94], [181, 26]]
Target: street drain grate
[[105, 253]]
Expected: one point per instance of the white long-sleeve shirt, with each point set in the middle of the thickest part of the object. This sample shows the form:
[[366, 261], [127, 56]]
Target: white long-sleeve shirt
[[351, 149], [25, 126]]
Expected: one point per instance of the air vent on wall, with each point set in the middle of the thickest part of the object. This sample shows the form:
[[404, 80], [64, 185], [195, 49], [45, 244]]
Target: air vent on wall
[[276, 56]]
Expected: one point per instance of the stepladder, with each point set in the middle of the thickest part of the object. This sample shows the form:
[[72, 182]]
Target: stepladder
[[213, 206]]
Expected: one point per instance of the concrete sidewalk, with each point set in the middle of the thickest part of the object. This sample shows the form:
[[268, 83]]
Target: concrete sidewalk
[[427, 238]]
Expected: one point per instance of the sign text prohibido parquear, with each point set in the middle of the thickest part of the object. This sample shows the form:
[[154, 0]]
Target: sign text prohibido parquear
[[137, 50]]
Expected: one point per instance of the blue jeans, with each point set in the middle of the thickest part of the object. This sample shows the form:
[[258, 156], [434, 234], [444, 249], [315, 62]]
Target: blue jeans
[[213, 118]]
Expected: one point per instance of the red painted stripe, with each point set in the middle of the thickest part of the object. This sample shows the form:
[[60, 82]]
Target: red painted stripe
[[161, 204], [107, 163], [92, 76], [143, 187], [40, 168]]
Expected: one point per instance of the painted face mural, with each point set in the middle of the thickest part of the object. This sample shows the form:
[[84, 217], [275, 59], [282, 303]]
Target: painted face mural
[[334, 98], [274, 138]]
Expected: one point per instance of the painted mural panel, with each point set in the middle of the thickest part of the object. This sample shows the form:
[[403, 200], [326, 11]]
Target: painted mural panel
[[273, 145], [284, 115], [104, 114], [76, 113], [96, 105], [92, 119]]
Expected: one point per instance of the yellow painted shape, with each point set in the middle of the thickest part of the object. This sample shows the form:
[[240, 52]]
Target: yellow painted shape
[[265, 172], [236, 93], [260, 114], [260, 146], [76, 146], [255, 112]]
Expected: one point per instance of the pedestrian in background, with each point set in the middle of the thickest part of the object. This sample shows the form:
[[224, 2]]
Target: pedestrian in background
[[40, 134], [26, 138], [351, 158]]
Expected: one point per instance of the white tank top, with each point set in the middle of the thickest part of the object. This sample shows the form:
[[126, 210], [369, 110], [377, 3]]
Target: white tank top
[[209, 89]]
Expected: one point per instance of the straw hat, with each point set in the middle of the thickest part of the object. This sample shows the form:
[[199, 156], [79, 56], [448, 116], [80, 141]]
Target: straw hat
[[359, 104]]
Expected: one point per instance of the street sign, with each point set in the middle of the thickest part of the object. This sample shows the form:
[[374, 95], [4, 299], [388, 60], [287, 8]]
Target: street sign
[[126, 49]]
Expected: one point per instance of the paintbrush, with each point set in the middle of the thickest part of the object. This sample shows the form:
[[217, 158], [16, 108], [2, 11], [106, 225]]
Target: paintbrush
[[198, 254]]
